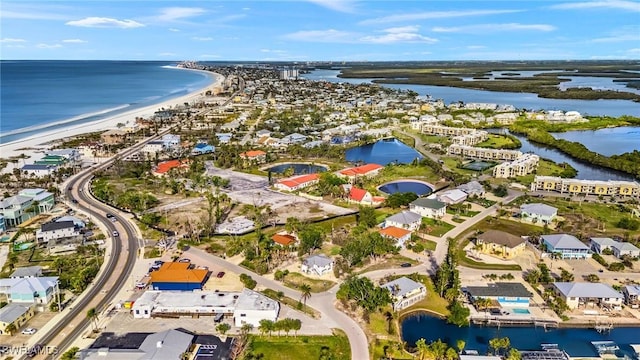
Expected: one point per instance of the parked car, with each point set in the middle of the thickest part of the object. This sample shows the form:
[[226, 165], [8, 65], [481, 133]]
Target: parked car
[[29, 331], [220, 274], [405, 265], [74, 201], [185, 260]]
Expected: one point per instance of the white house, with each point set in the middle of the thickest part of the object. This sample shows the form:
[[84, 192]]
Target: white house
[[237, 225], [317, 265], [617, 247], [31, 290], [472, 188], [297, 182], [56, 230], [454, 196], [538, 213], [568, 246], [153, 147], [430, 208], [578, 294], [405, 292], [405, 220], [253, 307]]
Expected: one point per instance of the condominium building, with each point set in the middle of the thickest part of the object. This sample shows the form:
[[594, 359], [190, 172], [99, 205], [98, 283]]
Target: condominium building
[[431, 129], [523, 165], [482, 153], [470, 139], [586, 187]]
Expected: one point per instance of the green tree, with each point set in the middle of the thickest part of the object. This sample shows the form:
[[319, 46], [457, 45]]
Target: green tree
[[70, 354], [311, 238], [367, 216], [458, 314], [92, 316], [460, 344], [223, 328], [422, 348], [305, 293], [266, 326]]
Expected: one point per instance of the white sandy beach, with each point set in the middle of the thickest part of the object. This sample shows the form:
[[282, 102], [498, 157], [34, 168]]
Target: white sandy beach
[[32, 145]]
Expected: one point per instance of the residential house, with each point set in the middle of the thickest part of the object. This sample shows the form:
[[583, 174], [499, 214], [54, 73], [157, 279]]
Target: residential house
[[30, 290], [170, 141], [16, 315], [263, 133], [77, 222], [28, 203], [472, 188], [297, 182], [165, 166], [360, 196], [294, 138], [507, 294], [39, 170], [317, 265], [224, 138], [400, 235], [56, 230], [454, 196], [405, 292], [284, 239], [26, 272], [500, 243], [405, 220], [430, 208], [618, 248], [113, 137], [69, 154], [587, 294], [153, 147], [632, 295], [202, 148], [237, 225], [367, 170], [55, 160], [537, 212], [254, 157], [252, 307], [567, 246]]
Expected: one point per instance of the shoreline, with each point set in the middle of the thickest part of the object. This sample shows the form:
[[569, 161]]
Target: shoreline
[[37, 142]]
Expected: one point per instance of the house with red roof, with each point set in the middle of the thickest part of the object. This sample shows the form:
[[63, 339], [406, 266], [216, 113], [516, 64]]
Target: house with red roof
[[254, 156], [367, 170], [297, 182], [164, 167], [284, 239], [400, 235], [360, 196]]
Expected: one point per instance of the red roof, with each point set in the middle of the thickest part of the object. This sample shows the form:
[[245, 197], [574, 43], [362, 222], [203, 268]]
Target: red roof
[[252, 154], [165, 166], [357, 194], [284, 240], [394, 232], [298, 180], [178, 272], [361, 170]]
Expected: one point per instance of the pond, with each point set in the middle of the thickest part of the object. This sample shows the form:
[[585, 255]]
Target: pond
[[418, 187], [298, 168], [610, 141], [576, 342], [383, 152]]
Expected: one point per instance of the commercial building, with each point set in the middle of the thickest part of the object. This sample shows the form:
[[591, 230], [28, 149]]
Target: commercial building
[[16, 315], [618, 248], [483, 153], [178, 276], [578, 294], [297, 182], [253, 307], [585, 187], [430, 208], [526, 164], [317, 265], [568, 246], [537, 212], [164, 345], [501, 243], [28, 203], [506, 294], [405, 292]]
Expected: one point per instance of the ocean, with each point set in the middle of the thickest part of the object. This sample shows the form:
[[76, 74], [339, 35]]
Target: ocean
[[38, 96]]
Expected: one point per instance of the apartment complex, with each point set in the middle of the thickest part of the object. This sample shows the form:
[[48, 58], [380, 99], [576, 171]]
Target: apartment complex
[[586, 187], [482, 153], [521, 166], [432, 129], [471, 139]]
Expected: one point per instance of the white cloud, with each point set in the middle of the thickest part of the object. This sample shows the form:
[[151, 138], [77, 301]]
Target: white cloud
[[167, 54], [210, 56], [610, 4], [246, 8], [627, 33], [345, 6], [434, 15], [177, 13], [48, 46], [634, 51], [200, 38], [174, 30], [74, 41], [485, 28], [329, 36], [12, 40], [398, 34], [102, 22]]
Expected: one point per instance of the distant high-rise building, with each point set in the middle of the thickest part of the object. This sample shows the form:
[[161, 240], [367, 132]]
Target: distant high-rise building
[[289, 74]]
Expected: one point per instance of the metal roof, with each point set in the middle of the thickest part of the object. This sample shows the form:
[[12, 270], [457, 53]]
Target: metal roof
[[586, 290]]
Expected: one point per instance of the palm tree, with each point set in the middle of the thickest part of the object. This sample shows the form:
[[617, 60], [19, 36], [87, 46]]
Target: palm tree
[[305, 289], [389, 317], [422, 347], [266, 326], [92, 315], [460, 344], [10, 329]]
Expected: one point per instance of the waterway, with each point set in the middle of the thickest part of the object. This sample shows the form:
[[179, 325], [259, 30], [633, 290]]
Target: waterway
[[610, 141], [527, 101], [383, 152], [576, 342]]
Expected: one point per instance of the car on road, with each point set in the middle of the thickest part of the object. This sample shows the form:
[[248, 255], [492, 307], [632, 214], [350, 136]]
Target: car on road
[[74, 201], [115, 233], [220, 274], [70, 188], [111, 217], [405, 265], [35, 350], [29, 331], [4, 348], [185, 260]]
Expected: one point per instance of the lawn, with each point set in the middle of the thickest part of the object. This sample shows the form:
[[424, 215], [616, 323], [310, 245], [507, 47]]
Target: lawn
[[496, 141], [392, 262], [427, 244], [432, 303], [302, 347], [545, 168], [295, 280], [467, 213], [394, 350], [436, 227], [395, 172], [293, 303], [408, 140], [453, 164]]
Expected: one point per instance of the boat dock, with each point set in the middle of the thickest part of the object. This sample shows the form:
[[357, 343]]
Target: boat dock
[[513, 322]]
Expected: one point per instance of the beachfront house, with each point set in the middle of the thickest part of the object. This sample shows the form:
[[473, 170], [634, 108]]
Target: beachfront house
[[27, 204], [567, 246], [400, 235], [504, 294], [113, 137], [39, 170], [617, 248], [405, 292], [30, 290], [56, 231], [632, 295], [538, 213], [579, 294], [430, 208], [405, 220], [500, 243], [317, 265]]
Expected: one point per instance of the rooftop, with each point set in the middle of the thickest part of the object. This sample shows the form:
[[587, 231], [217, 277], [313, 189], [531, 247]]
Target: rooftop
[[394, 232], [405, 217], [28, 285], [299, 180], [178, 272], [58, 225], [318, 260], [27, 271], [540, 209], [252, 153], [252, 300], [11, 312], [510, 289], [586, 290], [564, 241], [361, 170], [402, 286], [501, 238], [283, 239], [428, 203], [185, 299]]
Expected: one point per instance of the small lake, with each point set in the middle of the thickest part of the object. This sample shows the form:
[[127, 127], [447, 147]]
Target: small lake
[[527, 101], [576, 342], [383, 152], [418, 187], [611, 141], [298, 168], [585, 170]]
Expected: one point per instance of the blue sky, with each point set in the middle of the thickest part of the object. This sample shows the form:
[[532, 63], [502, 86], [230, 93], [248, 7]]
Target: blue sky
[[338, 30]]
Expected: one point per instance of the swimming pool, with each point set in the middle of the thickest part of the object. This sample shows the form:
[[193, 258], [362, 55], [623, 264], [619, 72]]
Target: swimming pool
[[520, 311]]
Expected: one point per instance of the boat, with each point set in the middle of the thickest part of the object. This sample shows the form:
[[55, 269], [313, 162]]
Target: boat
[[548, 347], [605, 347], [636, 349]]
